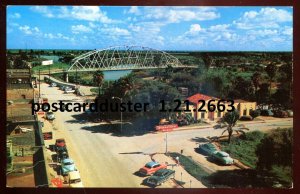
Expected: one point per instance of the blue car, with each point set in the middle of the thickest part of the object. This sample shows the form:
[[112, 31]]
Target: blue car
[[67, 165]]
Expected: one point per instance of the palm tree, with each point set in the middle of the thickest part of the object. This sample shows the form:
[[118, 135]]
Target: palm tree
[[256, 79], [231, 118], [98, 78], [271, 70]]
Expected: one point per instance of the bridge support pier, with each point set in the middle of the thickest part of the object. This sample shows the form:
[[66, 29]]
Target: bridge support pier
[[66, 77]]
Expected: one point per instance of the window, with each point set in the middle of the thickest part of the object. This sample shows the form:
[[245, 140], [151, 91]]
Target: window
[[202, 115], [245, 112], [219, 114]]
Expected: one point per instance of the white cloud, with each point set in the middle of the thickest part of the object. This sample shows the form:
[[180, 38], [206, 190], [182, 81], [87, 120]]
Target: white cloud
[[288, 31], [80, 28], [265, 18], [195, 28], [178, 14], [264, 32], [57, 36], [87, 13], [14, 16], [219, 27], [115, 31], [29, 31], [43, 10], [134, 10]]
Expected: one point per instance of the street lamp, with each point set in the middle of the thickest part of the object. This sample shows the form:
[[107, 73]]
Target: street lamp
[[121, 99]]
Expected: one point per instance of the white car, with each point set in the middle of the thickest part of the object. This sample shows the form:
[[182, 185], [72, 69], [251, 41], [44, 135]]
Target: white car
[[53, 84], [50, 116], [74, 179]]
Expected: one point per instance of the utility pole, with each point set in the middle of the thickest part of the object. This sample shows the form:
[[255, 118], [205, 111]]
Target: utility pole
[[76, 75], [39, 84], [49, 72], [166, 139]]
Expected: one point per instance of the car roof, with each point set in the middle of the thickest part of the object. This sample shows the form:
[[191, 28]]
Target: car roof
[[151, 163], [68, 160], [223, 153], [74, 174], [163, 170]]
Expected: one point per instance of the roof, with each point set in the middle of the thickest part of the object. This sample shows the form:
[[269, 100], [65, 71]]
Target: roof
[[241, 101], [196, 97]]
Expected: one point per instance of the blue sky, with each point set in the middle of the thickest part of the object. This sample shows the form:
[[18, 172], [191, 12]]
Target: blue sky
[[164, 28]]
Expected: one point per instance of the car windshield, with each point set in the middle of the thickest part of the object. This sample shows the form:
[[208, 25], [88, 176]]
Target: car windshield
[[68, 163], [148, 166], [75, 181]]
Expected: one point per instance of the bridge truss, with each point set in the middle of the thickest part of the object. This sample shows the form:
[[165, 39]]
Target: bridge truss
[[124, 58]]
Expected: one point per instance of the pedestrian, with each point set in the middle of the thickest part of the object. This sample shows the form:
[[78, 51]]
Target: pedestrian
[[177, 160]]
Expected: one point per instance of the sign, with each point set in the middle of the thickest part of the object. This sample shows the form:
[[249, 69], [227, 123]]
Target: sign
[[57, 182], [47, 135], [48, 62], [166, 127]]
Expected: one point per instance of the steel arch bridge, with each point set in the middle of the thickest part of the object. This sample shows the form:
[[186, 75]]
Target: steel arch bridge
[[124, 58]]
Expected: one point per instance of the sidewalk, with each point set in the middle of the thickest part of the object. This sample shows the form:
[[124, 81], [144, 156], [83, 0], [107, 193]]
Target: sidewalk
[[263, 120]]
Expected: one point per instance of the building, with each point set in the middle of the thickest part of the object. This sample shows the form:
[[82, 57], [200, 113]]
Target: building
[[243, 107]]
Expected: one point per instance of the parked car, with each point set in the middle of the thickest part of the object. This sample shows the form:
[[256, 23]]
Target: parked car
[[62, 154], [67, 165], [62, 88], [246, 118], [208, 148], [60, 145], [290, 113], [74, 179], [50, 116], [160, 176], [53, 85], [151, 167], [266, 113], [281, 114], [68, 90], [223, 157]]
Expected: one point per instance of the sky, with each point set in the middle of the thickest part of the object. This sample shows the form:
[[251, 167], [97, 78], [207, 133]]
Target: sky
[[164, 28]]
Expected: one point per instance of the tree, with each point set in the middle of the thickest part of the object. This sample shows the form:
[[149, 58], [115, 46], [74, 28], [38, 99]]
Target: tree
[[207, 60], [231, 118], [242, 88], [271, 70], [168, 72], [275, 149], [254, 113], [98, 78], [263, 94], [256, 79]]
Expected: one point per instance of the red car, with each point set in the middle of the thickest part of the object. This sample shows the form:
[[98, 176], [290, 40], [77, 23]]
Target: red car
[[151, 167], [60, 144]]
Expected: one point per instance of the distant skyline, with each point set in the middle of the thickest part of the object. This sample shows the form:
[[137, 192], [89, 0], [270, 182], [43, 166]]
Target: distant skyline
[[163, 28]]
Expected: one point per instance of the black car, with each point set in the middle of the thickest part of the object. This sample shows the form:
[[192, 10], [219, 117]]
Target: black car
[[160, 177]]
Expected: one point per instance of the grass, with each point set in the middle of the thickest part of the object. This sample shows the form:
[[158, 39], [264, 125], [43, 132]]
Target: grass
[[243, 148], [192, 167], [283, 174], [55, 66]]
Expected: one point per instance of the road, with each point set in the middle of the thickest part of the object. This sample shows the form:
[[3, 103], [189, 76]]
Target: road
[[106, 160]]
